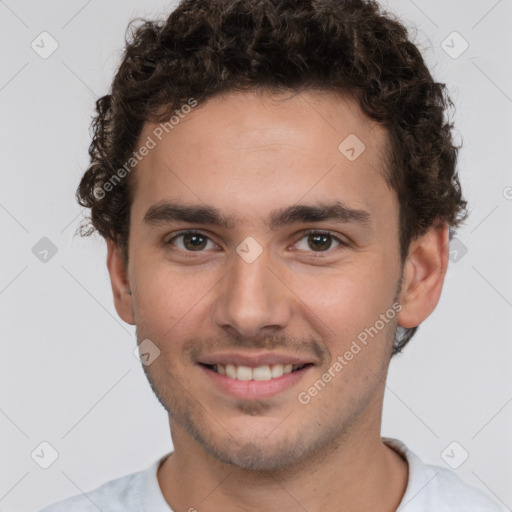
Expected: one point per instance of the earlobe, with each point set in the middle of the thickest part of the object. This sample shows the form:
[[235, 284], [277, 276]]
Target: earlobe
[[120, 283], [424, 273]]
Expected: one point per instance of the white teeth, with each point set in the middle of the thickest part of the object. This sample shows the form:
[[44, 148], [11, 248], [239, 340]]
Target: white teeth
[[243, 373], [265, 372], [230, 370], [278, 370], [262, 373]]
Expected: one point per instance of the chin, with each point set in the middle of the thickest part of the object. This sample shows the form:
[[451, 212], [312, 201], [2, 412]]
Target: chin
[[254, 456]]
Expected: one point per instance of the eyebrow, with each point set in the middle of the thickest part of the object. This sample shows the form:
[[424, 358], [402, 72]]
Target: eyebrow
[[168, 212]]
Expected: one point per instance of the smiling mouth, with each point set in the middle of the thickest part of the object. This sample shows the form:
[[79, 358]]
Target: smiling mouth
[[261, 373]]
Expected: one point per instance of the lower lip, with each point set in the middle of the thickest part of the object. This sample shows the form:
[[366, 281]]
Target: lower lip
[[254, 389]]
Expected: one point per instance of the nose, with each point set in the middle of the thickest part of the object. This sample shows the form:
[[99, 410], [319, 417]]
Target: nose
[[252, 298]]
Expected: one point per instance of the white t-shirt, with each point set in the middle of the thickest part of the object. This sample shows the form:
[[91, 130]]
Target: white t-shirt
[[429, 489]]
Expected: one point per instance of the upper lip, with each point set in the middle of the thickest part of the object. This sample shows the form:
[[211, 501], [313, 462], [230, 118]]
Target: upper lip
[[253, 359]]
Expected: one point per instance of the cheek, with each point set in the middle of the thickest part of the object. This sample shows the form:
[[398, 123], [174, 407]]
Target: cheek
[[343, 302], [166, 297]]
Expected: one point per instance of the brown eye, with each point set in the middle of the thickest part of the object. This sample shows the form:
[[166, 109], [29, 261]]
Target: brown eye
[[319, 241], [191, 241]]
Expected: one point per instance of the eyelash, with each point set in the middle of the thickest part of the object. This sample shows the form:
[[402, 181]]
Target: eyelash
[[317, 254]]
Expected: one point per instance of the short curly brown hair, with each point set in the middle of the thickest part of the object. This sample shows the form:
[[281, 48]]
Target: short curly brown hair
[[207, 47]]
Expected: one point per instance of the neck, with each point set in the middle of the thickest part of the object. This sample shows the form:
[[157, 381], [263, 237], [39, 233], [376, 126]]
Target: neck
[[354, 473]]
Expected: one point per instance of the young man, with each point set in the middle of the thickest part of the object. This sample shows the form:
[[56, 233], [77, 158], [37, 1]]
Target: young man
[[276, 184]]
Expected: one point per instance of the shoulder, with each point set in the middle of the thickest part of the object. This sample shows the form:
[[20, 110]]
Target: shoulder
[[119, 495], [455, 494], [432, 487]]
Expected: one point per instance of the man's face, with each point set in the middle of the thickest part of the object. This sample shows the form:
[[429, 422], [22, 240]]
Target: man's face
[[250, 289]]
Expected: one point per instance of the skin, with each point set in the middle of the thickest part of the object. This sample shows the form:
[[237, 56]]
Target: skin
[[247, 154]]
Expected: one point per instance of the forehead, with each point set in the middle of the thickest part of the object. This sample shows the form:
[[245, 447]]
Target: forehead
[[253, 152]]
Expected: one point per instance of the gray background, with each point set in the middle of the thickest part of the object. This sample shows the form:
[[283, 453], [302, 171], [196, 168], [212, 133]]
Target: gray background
[[67, 372]]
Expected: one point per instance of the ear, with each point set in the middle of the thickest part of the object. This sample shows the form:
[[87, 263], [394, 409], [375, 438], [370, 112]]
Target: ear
[[424, 273], [120, 283]]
